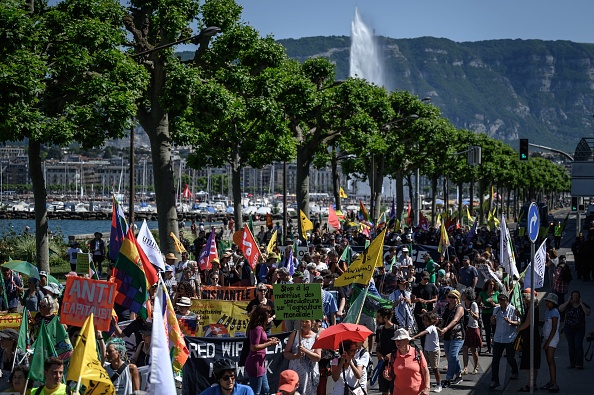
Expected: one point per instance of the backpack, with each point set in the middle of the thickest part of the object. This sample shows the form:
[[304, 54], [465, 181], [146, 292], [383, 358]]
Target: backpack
[[566, 275]]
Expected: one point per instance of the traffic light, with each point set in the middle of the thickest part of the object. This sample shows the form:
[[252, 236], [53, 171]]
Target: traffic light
[[523, 149], [574, 203]]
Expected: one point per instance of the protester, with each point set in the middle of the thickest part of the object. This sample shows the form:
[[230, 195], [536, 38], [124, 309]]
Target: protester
[[183, 307], [32, 295], [345, 371], [97, 247], [467, 275], [550, 336], [472, 336], [453, 337], [13, 289], [525, 332], [255, 366], [226, 380], [411, 375], [487, 300], [73, 252], [124, 375], [303, 358], [430, 267], [142, 355], [576, 311], [401, 299], [385, 346], [431, 348], [18, 380], [53, 370], [423, 295], [506, 321], [561, 278]]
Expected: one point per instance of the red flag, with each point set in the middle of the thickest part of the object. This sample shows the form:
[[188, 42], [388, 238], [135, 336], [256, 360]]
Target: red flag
[[269, 224], [249, 247], [333, 218], [423, 222], [147, 266], [457, 224], [186, 193]]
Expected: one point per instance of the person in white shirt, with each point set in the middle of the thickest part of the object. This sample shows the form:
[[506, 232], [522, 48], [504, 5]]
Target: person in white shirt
[[506, 320], [73, 252], [431, 349]]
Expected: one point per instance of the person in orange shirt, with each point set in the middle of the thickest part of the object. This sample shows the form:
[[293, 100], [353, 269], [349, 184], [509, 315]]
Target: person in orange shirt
[[411, 374]]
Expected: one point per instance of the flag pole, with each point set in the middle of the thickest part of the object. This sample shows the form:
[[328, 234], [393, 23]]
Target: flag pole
[[361, 308], [26, 385]]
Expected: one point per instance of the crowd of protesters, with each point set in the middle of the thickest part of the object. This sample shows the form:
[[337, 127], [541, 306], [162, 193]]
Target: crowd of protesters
[[459, 300]]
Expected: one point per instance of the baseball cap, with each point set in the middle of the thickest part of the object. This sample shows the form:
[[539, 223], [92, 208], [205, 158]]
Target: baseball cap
[[288, 380]]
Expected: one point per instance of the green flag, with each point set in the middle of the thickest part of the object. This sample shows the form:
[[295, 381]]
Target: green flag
[[356, 308], [4, 303], [516, 299], [371, 303], [23, 341], [223, 246], [59, 336], [346, 256], [251, 224], [43, 349]]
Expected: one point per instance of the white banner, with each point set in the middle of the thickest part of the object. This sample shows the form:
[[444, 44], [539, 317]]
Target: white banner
[[540, 259], [147, 242], [507, 258]]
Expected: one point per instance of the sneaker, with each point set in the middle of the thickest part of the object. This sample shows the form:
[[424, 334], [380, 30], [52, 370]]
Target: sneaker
[[546, 386], [436, 388], [475, 371], [446, 383], [457, 380], [494, 385], [465, 371], [554, 388]]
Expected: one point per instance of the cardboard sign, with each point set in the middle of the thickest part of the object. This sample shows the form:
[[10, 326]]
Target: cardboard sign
[[84, 296], [298, 301], [82, 263]]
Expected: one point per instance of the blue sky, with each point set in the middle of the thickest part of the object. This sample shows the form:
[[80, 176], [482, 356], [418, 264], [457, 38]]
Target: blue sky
[[458, 20]]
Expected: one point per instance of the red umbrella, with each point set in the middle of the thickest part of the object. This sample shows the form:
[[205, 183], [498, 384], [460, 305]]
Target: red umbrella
[[331, 337]]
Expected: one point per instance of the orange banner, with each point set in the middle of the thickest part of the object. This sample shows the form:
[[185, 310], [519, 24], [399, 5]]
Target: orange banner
[[84, 296]]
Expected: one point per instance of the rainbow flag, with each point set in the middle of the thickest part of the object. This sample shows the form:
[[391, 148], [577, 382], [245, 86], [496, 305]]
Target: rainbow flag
[[119, 228], [363, 210], [130, 279], [179, 351], [188, 324]]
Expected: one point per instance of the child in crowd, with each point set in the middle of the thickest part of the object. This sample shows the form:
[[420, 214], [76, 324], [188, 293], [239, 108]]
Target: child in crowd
[[431, 350]]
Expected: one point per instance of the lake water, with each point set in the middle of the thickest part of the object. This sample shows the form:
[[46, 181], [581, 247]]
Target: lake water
[[69, 227]]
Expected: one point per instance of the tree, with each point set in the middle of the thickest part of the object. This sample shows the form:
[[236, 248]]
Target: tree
[[63, 78], [227, 111]]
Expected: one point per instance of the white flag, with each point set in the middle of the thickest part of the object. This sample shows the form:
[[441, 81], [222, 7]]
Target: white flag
[[147, 242], [161, 380], [540, 259], [506, 254]]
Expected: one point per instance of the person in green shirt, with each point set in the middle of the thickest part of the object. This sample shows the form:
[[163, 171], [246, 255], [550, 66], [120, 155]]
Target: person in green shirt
[[53, 370], [487, 299], [430, 267]]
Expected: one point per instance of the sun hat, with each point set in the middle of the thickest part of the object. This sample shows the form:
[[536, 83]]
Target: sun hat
[[184, 301], [551, 297], [288, 380], [42, 273], [404, 249], [272, 255], [170, 255], [401, 334], [52, 288]]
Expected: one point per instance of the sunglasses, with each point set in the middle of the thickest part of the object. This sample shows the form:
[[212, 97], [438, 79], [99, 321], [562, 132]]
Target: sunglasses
[[214, 278], [228, 377], [452, 297], [261, 290]]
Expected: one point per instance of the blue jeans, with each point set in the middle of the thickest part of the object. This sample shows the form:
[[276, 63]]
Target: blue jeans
[[452, 349], [260, 385], [575, 344]]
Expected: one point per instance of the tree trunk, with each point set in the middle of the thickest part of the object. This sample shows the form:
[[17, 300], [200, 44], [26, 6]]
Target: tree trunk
[[481, 194], [377, 170], [302, 184], [460, 199], [399, 194], [433, 198], [335, 179], [471, 203], [236, 183], [155, 122], [446, 200], [40, 194]]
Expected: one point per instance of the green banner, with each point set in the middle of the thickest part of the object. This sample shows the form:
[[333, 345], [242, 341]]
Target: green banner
[[82, 263], [298, 301]]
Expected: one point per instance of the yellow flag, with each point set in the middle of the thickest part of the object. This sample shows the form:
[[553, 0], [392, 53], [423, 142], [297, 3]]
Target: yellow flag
[[361, 270], [271, 243], [396, 225], [342, 194], [306, 224], [470, 219], [496, 221], [179, 247], [85, 365]]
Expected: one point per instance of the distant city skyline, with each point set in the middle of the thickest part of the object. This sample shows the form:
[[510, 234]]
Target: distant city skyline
[[457, 20]]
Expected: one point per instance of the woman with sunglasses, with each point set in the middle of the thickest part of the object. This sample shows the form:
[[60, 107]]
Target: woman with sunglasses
[[255, 364], [261, 299], [453, 337]]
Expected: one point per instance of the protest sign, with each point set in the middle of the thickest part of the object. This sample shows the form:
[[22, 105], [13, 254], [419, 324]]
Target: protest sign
[[229, 293], [298, 301], [10, 320], [82, 263], [198, 370], [84, 296]]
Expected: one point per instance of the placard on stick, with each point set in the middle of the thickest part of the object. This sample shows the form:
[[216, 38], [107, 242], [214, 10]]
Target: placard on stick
[[82, 263], [298, 301]]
